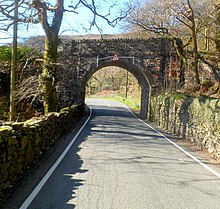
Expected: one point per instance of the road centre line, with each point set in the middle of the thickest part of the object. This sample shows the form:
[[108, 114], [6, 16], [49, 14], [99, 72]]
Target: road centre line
[[37, 189], [177, 146]]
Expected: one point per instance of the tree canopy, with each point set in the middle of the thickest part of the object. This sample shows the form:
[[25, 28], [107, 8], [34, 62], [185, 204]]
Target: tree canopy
[[194, 22]]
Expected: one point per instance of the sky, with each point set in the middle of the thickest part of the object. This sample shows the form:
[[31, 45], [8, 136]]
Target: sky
[[73, 24]]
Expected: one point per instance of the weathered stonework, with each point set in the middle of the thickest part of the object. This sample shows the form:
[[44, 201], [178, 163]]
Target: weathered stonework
[[22, 143], [194, 119], [151, 61]]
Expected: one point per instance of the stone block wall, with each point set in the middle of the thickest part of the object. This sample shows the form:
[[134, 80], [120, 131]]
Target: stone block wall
[[22, 143], [194, 119], [149, 60]]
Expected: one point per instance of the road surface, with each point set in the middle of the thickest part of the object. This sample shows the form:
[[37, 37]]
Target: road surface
[[118, 162]]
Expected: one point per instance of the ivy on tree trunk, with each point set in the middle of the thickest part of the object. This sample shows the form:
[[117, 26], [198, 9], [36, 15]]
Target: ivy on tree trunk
[[49, 75], [51, 30]]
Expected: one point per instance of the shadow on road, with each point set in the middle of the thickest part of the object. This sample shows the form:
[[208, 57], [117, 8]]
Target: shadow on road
[[59, 191]]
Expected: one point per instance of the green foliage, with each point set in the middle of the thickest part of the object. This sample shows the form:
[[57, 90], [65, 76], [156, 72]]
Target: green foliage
[[5, 53], [25, 52], [22, 53], [128, 102], [177, 96], [207, 83]]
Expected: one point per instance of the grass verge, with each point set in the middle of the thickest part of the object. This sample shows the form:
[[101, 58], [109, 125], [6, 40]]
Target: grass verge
[[131, 103]]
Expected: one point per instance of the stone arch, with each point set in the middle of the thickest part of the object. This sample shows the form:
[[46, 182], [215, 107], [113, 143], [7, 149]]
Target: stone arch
[[149, 60], [144, 79]]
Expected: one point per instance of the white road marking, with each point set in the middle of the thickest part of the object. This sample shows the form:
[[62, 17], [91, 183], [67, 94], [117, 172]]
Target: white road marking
[[107, 103], [177, 146], [34, 193], [37, 189]]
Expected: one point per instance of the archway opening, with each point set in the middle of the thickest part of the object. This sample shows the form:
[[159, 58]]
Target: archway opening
[[113, 82], [144, 78]]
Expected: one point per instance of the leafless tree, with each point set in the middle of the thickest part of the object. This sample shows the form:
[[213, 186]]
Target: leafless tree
[[50, 17], [191, 21]]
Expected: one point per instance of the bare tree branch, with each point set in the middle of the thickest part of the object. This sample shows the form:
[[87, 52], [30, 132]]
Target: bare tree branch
[[28, 89], [93, 8]]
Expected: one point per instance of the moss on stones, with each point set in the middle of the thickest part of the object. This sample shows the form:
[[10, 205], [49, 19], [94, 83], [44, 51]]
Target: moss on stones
[[22, 143], [195, 119]]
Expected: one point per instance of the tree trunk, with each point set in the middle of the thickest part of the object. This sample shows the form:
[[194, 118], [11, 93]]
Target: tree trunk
[[217, 40], [207, 29], [13, 63], [49, 95], [196, 59], [195, 46]]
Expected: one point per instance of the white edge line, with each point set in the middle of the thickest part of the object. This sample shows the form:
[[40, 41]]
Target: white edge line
[[34, 193], [177, 146]]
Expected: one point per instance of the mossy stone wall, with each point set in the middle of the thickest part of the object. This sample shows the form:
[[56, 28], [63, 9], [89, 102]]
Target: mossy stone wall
[[22, 143], [194, 119]]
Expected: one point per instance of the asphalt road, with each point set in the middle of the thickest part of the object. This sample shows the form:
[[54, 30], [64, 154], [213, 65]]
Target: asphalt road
[[118, 162]]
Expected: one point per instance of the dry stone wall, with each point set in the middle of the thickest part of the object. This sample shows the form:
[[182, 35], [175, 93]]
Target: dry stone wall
[[194, 119], [22, 143]]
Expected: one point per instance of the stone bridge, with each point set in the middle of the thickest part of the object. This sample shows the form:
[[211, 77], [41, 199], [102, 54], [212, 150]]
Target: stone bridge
[[153, 62]]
